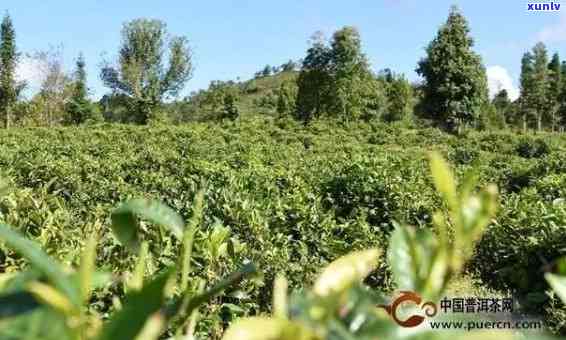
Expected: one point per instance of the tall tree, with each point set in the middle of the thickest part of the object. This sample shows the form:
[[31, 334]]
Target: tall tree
[[55, 85], [502, 104], [562, 98], [455, 82], [9, 88], [79, 108], [399, 98], [496, 113], [288, 66], [540, 94], [314, 80], [286, 99], [230, 110], [525, 102], [555, 89], [350, 74], [141, 73]]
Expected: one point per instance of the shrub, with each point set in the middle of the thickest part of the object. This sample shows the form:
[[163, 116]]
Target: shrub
[[532, 148]]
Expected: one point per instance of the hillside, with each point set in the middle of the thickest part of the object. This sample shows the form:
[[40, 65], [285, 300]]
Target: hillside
[[263, 87]]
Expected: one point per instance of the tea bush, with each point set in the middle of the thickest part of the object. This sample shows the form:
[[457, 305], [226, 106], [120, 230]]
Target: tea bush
[[286, 197]]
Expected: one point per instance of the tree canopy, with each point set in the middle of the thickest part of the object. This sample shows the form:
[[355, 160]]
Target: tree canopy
[[455, 82], [141, 72]]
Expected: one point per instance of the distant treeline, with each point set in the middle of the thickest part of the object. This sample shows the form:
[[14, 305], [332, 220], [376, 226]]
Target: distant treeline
[[334, 79]]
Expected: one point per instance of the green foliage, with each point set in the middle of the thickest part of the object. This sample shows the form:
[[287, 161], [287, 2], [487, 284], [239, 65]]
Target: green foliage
[[79, 108], [399, 98], [287, 197], [9, 89], [338, 307], [351, 77], [230, 110], [141, 74], [539, 98], [286, 99], [314, 81], [554, 91], [455, 81], [147, 309], [532, 148], [336, 80], [501, 111]]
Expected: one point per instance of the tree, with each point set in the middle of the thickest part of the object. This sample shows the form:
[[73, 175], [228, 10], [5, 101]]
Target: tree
[[495, 114], [455, 82], [79, 108], [399, 98], [141, 73], [555, 89], [502, 104], [266, 72], [539, 98], [230, 110], [286, 99], [55, 88], [9, 88], [314, 80], [562, 98], [288, 66], [351, 76], [525, 102]]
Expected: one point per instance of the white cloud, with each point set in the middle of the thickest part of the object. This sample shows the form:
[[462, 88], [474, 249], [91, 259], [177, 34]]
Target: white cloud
[[30, 70], [553, 33], [498, 78]]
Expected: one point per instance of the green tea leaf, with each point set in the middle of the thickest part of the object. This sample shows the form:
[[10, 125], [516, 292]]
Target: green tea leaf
[[443, 179], [178, 306], [139, 307], [42, 262], [52, 297], [345, 271], [558, 284], [4, 187], [401, 258], [125, 220], [16, 304], [136, 281], [259, 328], [87, 268]]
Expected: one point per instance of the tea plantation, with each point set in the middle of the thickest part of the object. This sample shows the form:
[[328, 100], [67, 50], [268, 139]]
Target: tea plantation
[[285, 197]]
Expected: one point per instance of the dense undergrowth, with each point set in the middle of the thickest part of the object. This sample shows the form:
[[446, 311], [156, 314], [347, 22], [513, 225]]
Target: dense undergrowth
[[286, 197]]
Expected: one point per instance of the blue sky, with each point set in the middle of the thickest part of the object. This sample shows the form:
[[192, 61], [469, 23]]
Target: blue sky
[[236, 38]]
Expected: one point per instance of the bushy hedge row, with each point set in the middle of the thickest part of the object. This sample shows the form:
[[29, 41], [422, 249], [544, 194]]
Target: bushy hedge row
[[286, 197]]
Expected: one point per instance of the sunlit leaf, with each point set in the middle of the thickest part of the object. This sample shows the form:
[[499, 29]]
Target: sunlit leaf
[[41, 262], [558, 284], [443, 179], [137, 310], [179, 307], [4, 187], [401, 257], [345, 271], [52, 297], [280, 287], [259, 328], [87, 268], [125, 220]]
